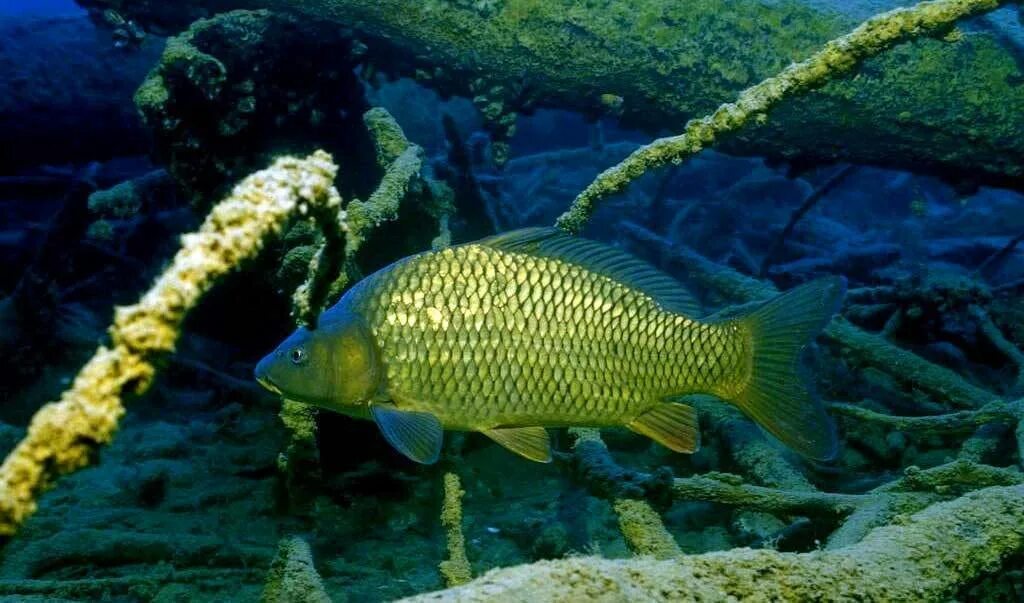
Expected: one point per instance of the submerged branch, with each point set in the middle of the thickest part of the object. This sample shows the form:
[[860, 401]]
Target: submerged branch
[[344, 232], [593, 465], [996, 258], [956, 422], [455, 569]]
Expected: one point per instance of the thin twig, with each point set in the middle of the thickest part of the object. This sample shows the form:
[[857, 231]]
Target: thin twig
[[812, 199]]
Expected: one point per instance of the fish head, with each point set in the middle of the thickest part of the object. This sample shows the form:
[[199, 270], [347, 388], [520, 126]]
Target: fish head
[[333, 366]]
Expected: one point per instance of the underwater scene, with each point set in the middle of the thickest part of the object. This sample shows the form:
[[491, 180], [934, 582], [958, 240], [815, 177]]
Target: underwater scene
[[511, 300]]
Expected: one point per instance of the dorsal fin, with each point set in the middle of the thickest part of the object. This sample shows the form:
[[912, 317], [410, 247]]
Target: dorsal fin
[[603, 259]]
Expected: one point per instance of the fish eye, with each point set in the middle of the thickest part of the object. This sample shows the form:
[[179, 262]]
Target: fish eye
[[297, 356]]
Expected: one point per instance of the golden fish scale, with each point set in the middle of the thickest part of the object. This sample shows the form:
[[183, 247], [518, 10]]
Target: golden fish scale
[[483, 338]]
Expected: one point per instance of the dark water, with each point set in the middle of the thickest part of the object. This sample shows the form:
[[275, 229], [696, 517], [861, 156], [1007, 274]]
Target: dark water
[[204, 484], [43, 8]]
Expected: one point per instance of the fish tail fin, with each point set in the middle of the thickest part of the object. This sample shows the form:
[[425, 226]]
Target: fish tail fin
[[776, 396]]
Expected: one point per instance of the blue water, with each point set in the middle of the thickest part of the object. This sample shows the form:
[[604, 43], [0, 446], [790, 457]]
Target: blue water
[[39, 7]]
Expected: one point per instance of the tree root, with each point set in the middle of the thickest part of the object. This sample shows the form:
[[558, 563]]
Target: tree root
[[63, 436]]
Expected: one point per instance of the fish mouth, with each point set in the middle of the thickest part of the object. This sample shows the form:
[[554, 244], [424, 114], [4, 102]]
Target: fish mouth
[[261, 374], [269, 385]]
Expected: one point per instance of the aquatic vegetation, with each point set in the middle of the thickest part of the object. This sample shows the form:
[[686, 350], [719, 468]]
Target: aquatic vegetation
[[930, 520]]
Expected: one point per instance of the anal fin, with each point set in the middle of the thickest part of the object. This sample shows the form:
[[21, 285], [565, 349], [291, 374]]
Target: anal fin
[[529, 442], [417, 435], [670, 424]]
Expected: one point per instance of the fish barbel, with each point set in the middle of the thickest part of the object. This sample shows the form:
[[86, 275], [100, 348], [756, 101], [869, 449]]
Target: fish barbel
[[535, 328]]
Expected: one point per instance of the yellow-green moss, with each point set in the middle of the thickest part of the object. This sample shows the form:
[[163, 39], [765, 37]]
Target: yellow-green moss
[[455, 569], [643, 529], [388, 138], [293, 577]]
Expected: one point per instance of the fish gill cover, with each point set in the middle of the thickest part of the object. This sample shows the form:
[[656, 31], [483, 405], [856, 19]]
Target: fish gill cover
[[277, 154]]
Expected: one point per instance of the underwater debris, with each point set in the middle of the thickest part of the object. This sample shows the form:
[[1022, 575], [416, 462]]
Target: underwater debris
[[383, 204], [227, 97], [996, 337], [838, 57], [126, 33], [30, 316], [63, 435], [293, 577], [962, 421], [299, 463], [132, 196], [455, 569], [992, 262], [591, 463], [401, 162], [887, 565], [474, 194], [809, 202]]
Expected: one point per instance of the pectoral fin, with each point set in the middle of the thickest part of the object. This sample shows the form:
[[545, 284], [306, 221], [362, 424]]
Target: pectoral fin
[[417, 435], [670, 424], [530, 442]]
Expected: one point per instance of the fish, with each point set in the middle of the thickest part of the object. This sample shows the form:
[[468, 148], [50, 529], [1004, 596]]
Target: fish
[[535, 329]]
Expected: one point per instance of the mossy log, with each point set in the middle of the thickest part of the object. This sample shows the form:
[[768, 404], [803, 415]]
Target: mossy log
[[948, 107], [928, 556]]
